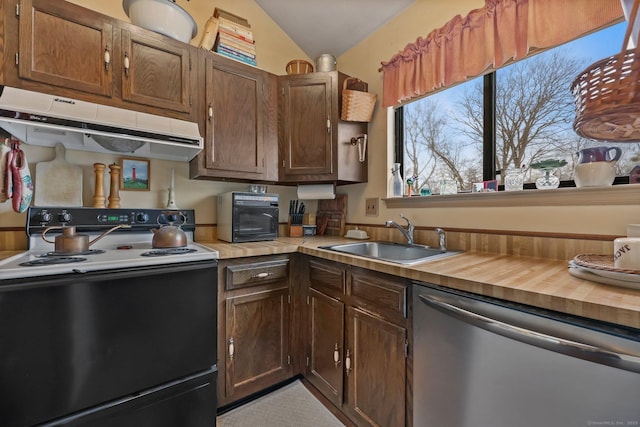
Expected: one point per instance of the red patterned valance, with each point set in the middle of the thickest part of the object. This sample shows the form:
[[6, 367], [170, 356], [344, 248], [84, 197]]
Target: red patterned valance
[[487, 38]]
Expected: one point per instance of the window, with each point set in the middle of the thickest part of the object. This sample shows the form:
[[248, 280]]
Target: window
[[516, 116]]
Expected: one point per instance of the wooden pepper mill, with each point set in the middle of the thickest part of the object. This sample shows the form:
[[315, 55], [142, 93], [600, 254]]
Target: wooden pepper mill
[[98, 196], [114, 195]]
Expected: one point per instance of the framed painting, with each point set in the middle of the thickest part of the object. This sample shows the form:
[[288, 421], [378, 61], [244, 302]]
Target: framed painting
[[135, 174]]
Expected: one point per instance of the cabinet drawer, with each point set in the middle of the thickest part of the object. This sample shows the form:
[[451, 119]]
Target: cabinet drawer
[[327, 277], [379, 295], [258, 273]]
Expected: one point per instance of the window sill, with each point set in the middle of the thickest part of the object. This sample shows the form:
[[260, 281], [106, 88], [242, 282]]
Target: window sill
[[571, 196]]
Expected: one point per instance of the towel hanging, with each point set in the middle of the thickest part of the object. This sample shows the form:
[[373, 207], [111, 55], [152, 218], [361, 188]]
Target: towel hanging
[[18, 183]]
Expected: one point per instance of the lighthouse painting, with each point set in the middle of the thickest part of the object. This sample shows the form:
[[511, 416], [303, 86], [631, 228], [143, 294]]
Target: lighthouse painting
[[135, 174]]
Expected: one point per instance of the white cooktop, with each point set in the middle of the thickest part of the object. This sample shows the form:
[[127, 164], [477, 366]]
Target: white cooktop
[[129, 255]]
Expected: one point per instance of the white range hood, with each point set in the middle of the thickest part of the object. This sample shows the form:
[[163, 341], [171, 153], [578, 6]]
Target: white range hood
[[41, 119]]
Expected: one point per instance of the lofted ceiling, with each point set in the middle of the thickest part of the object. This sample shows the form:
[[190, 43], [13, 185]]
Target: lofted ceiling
[[330, 26]]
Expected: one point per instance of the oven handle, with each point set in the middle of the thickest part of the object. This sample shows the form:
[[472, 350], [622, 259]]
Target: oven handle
[[585, 351]]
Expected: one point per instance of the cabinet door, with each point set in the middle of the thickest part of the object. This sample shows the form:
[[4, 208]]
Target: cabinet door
[[326, 338], [61, 47], [328, 277], [306, 133], [156, 71], [237, 98], [257, 338], [375, 369]]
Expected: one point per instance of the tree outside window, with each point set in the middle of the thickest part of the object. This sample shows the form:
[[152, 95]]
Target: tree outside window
[[534, 110]]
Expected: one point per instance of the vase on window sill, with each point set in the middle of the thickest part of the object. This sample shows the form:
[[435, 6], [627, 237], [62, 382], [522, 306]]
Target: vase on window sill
[[396, 184], [548, 180]]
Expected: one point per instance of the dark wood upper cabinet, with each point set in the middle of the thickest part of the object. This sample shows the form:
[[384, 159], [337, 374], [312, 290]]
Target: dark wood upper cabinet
[[66, 49], [257, 126], [314, 144], [240, 122], [307, 127], [156, 71], [61, 48]]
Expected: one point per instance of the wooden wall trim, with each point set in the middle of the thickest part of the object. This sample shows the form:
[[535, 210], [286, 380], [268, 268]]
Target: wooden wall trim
[[600, 237]]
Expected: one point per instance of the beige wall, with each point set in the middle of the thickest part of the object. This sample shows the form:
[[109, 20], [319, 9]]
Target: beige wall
[[364, 60], [274, 50]]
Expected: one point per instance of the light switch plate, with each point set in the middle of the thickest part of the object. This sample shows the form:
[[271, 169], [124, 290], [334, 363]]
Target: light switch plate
[[372, 205]]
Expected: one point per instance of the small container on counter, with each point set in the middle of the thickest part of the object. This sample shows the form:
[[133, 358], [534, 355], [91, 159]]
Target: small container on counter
[[309, 230]]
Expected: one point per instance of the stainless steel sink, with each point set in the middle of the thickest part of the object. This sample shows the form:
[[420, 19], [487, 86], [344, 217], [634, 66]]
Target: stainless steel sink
[[392, 252]]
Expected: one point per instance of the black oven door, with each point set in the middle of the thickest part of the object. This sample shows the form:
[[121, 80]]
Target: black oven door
[[255, 223], [73, 342]]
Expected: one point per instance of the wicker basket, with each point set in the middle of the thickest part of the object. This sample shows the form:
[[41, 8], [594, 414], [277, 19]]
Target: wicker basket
[[607, 95], [357, 106], [299, 66]]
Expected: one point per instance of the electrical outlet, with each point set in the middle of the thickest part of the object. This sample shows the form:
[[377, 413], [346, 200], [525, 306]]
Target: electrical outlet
[[372, 206]]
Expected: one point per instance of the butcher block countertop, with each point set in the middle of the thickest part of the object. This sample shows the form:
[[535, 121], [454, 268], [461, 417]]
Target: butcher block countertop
[[7, 254], [534, 281]]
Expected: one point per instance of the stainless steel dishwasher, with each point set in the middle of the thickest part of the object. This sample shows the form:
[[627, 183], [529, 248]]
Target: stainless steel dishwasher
[[481, 362]]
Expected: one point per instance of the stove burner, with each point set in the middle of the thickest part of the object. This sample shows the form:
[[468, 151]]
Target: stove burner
[[169, 251], [52, 260], [66, 254]]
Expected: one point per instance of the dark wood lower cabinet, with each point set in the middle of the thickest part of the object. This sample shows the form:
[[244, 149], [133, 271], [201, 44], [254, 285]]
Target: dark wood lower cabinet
[[257, 341], [254, 326], [346, 329], [358, 342], [326, 338], [375, 369]]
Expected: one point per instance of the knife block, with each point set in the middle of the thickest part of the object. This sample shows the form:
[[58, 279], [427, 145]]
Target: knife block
[[295, 230]]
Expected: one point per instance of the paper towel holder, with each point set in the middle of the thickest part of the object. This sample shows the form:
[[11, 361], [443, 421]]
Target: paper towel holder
[[316, 191]]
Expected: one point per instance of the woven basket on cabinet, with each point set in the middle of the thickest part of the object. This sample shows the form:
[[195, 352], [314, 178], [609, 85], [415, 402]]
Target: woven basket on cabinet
[[607, 94], [299, 66], [357, 106]]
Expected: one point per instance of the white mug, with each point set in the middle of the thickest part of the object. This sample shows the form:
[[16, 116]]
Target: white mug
[[626, 253]]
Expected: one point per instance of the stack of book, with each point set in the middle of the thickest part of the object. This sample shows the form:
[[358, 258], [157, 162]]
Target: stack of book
[[234, 38]]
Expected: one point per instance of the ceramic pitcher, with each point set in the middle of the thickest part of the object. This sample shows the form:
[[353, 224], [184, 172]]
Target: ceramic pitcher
[[599, 154], [596, 166]]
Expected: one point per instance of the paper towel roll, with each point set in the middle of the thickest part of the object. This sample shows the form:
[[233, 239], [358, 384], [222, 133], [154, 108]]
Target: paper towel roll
[[316, 192]]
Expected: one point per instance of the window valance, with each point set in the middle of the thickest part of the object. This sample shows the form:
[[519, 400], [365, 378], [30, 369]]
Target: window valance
[[487, 38]]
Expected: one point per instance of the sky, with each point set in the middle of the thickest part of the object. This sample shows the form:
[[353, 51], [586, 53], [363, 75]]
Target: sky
[[607, 43]]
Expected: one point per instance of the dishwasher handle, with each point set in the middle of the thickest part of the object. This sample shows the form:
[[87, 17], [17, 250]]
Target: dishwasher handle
[[592, 353]]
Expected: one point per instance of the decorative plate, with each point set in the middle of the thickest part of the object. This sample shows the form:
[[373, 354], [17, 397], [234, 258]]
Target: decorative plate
[[603, 265]]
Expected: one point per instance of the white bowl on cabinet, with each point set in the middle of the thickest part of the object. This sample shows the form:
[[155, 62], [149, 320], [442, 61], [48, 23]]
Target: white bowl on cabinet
[[161, 16]]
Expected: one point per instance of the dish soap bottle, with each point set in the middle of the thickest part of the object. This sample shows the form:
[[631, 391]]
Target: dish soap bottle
[[395, 182]]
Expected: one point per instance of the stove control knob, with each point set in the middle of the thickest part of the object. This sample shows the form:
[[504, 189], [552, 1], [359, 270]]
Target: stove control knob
[[64, 217], [45, 217], [142, 217]]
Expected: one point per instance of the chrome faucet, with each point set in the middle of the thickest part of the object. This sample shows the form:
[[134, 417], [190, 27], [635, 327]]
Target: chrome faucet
[[406, 232], [442, 238]]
